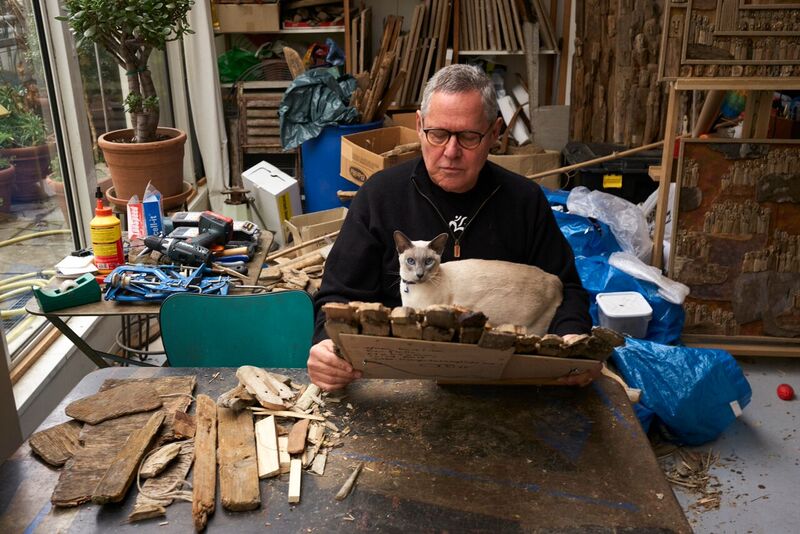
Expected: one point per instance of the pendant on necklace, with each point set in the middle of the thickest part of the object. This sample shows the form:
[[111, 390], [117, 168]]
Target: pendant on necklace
[[456, 250]]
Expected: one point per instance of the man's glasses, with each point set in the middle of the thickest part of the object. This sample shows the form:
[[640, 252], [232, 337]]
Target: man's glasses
[[467, 139]]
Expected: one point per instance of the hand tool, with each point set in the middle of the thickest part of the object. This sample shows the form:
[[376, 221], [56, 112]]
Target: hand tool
[[135, 283], [178, 251]]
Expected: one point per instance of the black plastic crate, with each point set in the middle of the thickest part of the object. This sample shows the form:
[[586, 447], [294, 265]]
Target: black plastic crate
[[624, 177]]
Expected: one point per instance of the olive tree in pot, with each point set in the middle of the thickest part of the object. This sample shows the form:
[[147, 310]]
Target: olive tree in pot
[[130, 30]]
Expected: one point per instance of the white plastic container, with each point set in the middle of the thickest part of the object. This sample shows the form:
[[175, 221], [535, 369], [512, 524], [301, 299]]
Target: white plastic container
[[626, 312]]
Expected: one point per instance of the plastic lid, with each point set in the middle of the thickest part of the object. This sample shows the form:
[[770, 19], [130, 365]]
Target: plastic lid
[[623, 304]]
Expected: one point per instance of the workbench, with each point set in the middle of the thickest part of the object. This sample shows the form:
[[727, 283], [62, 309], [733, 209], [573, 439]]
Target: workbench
[[130, 310], [436, 458]]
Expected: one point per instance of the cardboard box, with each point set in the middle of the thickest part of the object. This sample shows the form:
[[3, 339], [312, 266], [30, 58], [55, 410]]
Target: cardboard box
[[408, 120], [526, 164], [391, 357], [276, 196], [361, 152], [248, 18], [303, 228]]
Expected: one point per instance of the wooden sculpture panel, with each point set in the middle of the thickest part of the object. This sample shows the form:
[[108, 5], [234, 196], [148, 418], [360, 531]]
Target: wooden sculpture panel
[[730, 38], [736, 237]]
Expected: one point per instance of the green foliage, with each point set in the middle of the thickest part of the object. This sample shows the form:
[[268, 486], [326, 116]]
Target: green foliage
[[143, 23], [55, 169], [21, 127], [4, 163]]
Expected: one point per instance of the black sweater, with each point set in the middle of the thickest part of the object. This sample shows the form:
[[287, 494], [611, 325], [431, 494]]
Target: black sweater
[[509, 219]]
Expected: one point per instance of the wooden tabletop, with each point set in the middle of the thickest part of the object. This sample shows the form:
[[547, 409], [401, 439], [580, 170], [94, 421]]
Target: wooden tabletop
[[436, 458], [108, 307]]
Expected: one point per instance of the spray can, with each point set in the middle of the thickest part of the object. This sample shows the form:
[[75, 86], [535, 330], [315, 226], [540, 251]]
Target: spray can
[[106, 232]]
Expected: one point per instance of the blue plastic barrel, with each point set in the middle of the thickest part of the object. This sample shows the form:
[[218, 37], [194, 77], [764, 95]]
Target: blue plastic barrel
[[321, 163]]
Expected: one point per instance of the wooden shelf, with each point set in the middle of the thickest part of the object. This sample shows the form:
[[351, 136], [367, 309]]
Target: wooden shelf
[[499, 52], [259, 84], [291, 31], [753, 84]]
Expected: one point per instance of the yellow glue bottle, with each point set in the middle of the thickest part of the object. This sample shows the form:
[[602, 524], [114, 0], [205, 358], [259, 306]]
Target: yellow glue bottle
[[106, 232]]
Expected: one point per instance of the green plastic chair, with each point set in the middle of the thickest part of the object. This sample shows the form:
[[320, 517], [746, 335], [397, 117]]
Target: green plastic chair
[[265, 330]]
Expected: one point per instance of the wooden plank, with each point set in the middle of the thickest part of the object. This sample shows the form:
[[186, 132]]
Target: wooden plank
[[286, 413], [236, 455], [489, 13], [517, 12], [256, 382], [36, 352], [267, 448], [763, 112], [295, 476], [284, 460], [57, 444], [531, 34], [666, 176], [146, 502], [507, 34], [426, 71], [81, 474], [123, 400], [297, 437], [566, 36], [352, 51], [120, 473], [410, 47], [444, 30], [746, 345], [204, 477]]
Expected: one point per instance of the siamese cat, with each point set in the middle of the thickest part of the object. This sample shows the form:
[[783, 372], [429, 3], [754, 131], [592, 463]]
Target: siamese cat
[[508, 293]]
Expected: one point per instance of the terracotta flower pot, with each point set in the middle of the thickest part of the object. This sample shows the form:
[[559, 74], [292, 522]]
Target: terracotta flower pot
[[6, 186], [133, 165], [33, 165]]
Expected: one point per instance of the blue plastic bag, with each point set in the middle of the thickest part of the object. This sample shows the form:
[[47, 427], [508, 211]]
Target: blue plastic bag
[[696, 393], [587, 237], [598, 276]]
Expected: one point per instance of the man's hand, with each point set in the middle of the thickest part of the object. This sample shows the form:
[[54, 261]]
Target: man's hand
[[327, 370], [581, 379]]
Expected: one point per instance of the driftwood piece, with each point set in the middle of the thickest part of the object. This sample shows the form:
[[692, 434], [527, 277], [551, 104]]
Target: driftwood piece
[[472, 319], [318, 465], [339, 311], [83, 471], [159, 460], [278, 386], [470, 334], [287, 413], [238, 465], [118, 478], [148, 504], [407, 331], [442, 316], [297, 437], [267, 448], [527, 344], [402, 149], [404, 315], [344, 491], [204, 477], [114, 402], [183, 425], [258, 385], [497, 340], [373, 313], [57, 444], [295, 479], [434, 333], [236, 399], [551, 345]]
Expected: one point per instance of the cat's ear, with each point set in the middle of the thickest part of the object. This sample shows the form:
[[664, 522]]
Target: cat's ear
[[401, 242], [438, 243]]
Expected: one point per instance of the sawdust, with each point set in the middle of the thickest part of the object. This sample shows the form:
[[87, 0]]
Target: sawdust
[[689, 471]]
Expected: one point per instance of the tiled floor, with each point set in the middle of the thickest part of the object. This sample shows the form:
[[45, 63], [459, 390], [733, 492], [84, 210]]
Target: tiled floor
[[759, 459]]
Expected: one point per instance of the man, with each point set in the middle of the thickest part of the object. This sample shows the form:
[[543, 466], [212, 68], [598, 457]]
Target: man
[[489, 212]]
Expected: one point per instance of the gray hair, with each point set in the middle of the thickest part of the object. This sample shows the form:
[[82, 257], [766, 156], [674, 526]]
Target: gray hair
[[459, 78]]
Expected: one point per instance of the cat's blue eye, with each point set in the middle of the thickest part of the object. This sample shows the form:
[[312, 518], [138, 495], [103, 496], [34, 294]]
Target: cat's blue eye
[[410, 261], [428, 261]]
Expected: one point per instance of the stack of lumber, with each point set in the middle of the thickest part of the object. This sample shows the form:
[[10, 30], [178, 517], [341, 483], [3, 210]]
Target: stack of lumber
[[303, 271], [374, 92], [360, 38], [461, 325], [421, 51], [491, 25]]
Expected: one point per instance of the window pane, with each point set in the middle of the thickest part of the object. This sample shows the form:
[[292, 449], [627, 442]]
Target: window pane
[[34, 227]]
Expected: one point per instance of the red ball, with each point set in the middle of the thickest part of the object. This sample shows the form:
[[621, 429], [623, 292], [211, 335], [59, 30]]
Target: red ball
[[785, 392]]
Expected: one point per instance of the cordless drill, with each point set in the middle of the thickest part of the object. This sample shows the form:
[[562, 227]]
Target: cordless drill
[[213, 229], [180, 252]]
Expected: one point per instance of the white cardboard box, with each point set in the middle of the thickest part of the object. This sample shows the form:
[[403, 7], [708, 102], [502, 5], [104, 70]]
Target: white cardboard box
[[276, 197]]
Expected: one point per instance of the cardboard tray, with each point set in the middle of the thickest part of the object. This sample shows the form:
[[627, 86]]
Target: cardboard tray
[[391, 357]]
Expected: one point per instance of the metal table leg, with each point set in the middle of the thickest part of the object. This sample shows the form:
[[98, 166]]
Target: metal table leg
[[94, 355]]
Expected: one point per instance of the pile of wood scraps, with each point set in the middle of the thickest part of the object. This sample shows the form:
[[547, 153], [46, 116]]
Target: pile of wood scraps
[[313, 13], [689, 471], [461, 325], [304, 271], [138, 430]]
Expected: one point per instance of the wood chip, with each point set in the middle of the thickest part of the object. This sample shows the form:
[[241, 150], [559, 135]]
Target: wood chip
[[267, 448], [307, 398], [237, 398], [183, 425], [344, 491], [159, 460], [204, 478], [124, 399], [295, 478], [260, 386], [287, 413], [318, 465]]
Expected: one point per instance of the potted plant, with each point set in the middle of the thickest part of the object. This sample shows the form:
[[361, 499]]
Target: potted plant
[[23, 138], [6, 184], [130, 30]]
